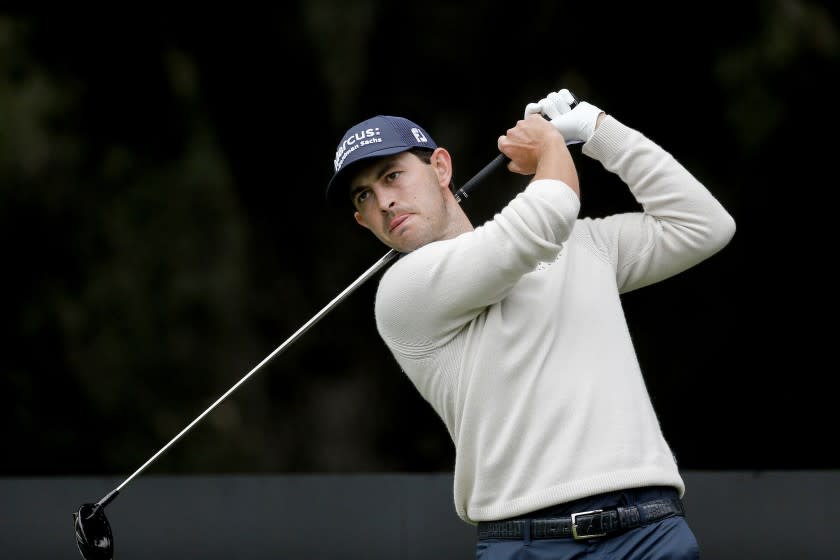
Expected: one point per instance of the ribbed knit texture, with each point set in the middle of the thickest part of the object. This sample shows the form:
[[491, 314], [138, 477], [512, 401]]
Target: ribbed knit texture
[[515, 332]]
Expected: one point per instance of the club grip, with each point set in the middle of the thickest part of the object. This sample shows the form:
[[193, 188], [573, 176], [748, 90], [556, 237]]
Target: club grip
[[500, 160]]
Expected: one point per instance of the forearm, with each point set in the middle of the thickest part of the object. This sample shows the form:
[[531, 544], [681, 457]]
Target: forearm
[[663, 187], [682, 223], [556, 163]]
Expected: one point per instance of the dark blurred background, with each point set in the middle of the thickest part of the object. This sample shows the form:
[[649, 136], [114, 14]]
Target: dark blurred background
[[163, 225]]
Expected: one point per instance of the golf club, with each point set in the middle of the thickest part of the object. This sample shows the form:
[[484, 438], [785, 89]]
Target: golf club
[[94, 537]]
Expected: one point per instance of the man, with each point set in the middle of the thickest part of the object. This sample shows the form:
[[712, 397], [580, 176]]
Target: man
[[514, 331]]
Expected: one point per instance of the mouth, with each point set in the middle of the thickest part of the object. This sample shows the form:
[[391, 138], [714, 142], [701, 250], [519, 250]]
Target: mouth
[[397, 221]]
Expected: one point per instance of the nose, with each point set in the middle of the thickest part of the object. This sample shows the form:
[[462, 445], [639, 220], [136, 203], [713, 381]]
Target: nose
[[385, 197]]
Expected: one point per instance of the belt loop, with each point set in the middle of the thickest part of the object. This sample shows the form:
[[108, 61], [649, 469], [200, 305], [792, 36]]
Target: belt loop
[[643, 516], [526, 530]]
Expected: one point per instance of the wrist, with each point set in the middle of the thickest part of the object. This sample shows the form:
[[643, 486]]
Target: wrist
[[600, 118]]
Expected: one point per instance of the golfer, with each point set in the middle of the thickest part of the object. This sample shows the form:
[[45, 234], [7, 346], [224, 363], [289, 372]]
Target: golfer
[[513, 330]]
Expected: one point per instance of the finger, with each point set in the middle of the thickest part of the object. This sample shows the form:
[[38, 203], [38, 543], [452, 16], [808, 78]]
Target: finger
[[556, 105], [514, 167], [532, 108], [567, 97]]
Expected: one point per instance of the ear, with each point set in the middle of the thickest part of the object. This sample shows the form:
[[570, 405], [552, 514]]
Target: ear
[[442, 164], [360, 220]]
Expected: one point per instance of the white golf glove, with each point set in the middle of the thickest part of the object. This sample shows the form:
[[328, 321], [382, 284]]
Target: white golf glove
[[576, 124]]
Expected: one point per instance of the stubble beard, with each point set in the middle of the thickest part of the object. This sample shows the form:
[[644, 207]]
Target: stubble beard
[[435, 227]]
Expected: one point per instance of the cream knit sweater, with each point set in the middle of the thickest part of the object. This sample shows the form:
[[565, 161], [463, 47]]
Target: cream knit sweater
[[515, 332]]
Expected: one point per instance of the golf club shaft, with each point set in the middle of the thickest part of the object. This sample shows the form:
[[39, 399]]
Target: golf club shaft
[[461, 193], [387, 258]]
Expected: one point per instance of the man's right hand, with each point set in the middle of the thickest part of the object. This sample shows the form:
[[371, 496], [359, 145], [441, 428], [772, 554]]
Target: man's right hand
[[536, 148]]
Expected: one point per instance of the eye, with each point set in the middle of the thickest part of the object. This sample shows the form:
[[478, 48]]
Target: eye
[[392, 176], [361, 196]]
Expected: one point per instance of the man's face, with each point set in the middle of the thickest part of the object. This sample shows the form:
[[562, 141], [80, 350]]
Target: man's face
[[403, 200]]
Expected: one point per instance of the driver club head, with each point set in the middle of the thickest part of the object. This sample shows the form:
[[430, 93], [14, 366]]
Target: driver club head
[[93, 533]]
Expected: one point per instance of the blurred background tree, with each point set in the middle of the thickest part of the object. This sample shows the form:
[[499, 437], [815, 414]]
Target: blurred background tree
[[164, 229]]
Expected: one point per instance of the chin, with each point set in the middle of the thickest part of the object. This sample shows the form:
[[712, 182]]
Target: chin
[[407, 243], [402, 248], [401, 245]]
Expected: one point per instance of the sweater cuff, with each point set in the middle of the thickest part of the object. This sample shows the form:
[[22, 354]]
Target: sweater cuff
[[609, 139]]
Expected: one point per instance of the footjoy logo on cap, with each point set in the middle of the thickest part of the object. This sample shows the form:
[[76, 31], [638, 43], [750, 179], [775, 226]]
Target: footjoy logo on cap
[[418, 135], [379, 136]]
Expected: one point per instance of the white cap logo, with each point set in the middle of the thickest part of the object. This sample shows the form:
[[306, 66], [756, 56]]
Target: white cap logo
[[418, 135]]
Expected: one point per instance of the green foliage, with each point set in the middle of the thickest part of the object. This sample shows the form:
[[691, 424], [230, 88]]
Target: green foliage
[[163, 224]]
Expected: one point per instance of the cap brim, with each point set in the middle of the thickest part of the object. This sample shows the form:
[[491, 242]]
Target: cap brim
[[337, 188]]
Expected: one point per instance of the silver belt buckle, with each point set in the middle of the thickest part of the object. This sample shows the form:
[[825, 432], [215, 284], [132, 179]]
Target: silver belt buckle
[[578, 536]]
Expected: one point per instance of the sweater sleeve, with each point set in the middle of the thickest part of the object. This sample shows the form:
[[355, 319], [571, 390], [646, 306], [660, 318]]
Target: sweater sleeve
[[427, 296], [681, 223]]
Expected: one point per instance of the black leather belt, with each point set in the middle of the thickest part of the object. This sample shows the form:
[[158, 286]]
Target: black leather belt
[[584, 524]]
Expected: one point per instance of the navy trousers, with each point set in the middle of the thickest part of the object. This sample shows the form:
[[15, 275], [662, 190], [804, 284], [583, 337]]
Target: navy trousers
[[668, 539]]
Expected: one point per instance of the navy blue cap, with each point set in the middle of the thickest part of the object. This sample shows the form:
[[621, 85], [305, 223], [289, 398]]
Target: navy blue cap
[[379, 136]]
